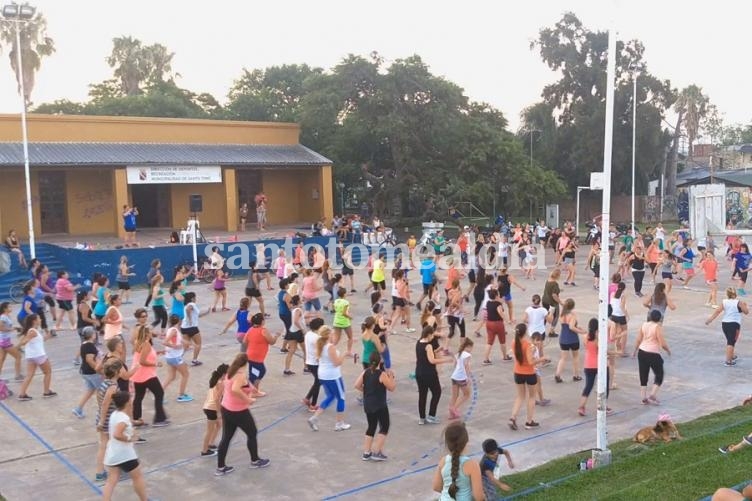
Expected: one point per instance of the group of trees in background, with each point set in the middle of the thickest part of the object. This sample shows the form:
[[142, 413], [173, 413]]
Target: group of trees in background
[[404, 139]]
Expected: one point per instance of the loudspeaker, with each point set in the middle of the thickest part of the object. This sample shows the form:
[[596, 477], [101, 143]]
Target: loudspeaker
[[195, 203]]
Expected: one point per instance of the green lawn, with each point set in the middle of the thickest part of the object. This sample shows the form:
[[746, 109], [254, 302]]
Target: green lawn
[[688, 469]]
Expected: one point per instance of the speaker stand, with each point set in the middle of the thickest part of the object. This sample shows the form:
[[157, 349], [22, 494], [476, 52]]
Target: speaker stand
[[200, 239]]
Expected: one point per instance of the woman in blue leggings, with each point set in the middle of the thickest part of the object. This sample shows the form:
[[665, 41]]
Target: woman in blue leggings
[[330, 376]]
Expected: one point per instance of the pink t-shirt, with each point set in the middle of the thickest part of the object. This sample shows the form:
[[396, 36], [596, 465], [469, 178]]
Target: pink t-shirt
[[232, 402], [309, 288], [144, 373], [64, 290]]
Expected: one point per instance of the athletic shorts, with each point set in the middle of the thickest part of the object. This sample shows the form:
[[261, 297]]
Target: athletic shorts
[[507, 297], [92, 381], [427, 288], [619, 320], [379, 285], [689, 271], [296, 336], [312, 304], [221, 289], [569, 346], [211, 415], [398, 302], [128, 466], [347, 271], [252, 292], [40, 360], [528, 379], [124, 286], [459, 383], [495, 330], [256, 371], [6, 342], [65, 305], [174, 361], [665, 275], [731, 331], [743, 276], [189, 331]]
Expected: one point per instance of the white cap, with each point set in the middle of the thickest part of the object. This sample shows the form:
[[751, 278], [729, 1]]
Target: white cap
[[467, 227]]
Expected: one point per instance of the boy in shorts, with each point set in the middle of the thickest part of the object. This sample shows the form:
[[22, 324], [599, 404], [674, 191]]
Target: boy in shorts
[[490, 469]]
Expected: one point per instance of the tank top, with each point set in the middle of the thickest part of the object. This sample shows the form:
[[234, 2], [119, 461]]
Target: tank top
[[177, 305], [251, 282], [327, 370], [374, 392], [423, 366], [591, 354], [219, 284], [80, 324], [158, 298], [492, 311], [144, 373], [395, 289], [649, 338], [368, 348], [525, 367], [295, 327], [616, 310], [464, 489], [258, 346], [281, 262], [173, 336], [104, 420], [113, 329], [101, 307], [667, 266], [731, 312], [505, 287], [282, 305], [211, 402], [243, 324], [232, 402], [567, 336], [661, 308], [638, 263], [309, 288], [35, 347], [190, 316]]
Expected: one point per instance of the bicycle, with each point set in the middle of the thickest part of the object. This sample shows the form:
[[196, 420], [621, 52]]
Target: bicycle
[[15, 291], [205, 273]]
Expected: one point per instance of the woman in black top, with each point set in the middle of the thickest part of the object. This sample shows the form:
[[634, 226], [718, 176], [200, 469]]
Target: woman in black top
[[479, 292], [426, 375], [637, 260], [374, 383], [84, 315]]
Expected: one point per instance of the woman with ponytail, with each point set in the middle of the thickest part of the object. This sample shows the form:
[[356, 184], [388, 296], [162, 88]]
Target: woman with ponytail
[[374, 382], [371, 342], [525, 378], [211, 410], [591, 365], [330, 376], [456, 477]]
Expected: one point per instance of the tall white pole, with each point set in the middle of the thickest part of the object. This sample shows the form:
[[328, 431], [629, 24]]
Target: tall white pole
[[634, 141], [603, 455], [577, 216], [27, 174]]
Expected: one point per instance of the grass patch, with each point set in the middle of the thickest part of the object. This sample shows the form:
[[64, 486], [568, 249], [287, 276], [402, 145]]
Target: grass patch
[[685, 469]]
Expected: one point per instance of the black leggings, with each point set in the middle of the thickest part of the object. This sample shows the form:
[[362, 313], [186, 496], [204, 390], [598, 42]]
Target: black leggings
[[638, 276], [426, 383], [313, 393], [148, 301], [381, 418], [478, 295], [160, 316], [231, 421], [648, 360], [590, 375], [155, 387], [456, 321]]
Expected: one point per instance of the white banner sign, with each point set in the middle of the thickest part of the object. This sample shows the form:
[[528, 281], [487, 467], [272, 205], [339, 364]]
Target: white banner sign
[[171, 174]]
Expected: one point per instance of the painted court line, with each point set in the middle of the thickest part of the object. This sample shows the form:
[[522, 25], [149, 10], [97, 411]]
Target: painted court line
[[52, 450]]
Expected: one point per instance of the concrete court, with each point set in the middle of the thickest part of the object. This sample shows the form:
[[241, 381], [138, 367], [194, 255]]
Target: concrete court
[[48, 453]]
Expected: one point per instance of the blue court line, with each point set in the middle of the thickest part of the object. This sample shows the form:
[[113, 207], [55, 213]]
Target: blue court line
[[52, 450], [192, 459]]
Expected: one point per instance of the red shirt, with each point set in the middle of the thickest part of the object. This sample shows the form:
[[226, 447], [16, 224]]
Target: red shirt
[[258, 346], [462, 243]]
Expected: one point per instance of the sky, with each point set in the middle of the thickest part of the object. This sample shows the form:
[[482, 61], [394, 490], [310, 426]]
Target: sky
[[483, 46]]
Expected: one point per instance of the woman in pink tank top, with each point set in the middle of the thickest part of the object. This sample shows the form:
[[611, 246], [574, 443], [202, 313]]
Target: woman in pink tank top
[[648, 347], [591, 366]]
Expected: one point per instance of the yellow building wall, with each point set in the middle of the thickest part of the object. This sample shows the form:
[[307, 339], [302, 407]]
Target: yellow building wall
[[326, 187], [90, 201], [308, 185], [55, 128], [279, 186], [214, 215], [231, 199], [13, 204]]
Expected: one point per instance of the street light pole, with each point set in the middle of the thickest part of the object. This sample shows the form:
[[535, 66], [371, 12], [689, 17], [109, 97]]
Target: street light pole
[[634, 141], [18, 14]]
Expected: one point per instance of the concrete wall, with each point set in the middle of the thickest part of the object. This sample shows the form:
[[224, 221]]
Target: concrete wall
[[147, 130], [90, 201], [214, 215]]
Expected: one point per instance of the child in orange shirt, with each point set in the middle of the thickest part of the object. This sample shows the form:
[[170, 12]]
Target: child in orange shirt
[[709, 267]]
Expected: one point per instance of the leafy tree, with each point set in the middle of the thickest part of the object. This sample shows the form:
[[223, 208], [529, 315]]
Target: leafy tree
[[572, 113], [135, 65], [35, 45]]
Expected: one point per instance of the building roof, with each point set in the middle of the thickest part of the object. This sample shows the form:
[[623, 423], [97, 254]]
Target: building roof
[[739, 177], [122, 154]]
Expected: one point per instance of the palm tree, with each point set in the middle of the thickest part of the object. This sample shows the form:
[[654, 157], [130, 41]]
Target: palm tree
[[694, 105], [160, 62], [35, 44], [127, 57]]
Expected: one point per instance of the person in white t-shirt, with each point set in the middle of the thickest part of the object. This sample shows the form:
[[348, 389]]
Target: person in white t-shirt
[[312, 363], [536, 317], [120, 454], [460, 378]]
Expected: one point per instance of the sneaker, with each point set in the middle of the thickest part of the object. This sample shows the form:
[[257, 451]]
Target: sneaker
[[421, 421], [209, 453], [366, 456], [576, 378], [283, 350], [224, 470], [288, 373], [544, 402], [306, 370], [645, 401], [49, 394], [433, 420], [486, 362], [184, 398], [553, 334], [313, 422], [735, 357], [260, 463], [532, 424], [654, 401], [213, 448], [558, 379], [19, 378], [410, 330], [378, 456], [161, 424], [139, 441], [196, 363], [513, 424], [76, 362], [78, 413], [341, 426], [729, 363], [724, 449], [100, 477]]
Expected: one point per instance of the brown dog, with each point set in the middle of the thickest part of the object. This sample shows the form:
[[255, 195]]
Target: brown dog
[[664, 429], [747, 401]]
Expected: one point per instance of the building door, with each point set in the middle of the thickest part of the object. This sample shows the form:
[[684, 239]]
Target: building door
[[52, 202], [249, 184], [153, 202]]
